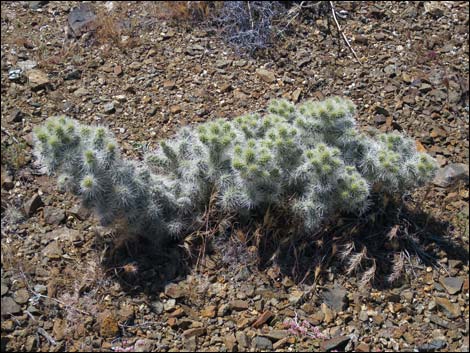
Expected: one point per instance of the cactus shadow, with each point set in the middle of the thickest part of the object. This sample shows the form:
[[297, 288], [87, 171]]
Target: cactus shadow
[[141, 266], [392, 245]]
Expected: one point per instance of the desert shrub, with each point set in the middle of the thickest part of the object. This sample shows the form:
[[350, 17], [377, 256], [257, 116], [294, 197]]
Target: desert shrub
[[309, 162], [247, 25]]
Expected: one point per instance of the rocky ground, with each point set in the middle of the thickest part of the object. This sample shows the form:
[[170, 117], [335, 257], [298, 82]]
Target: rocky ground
[[144, 77]]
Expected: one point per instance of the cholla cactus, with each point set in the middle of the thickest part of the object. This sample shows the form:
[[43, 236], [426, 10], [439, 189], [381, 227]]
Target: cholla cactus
[[309, 159]]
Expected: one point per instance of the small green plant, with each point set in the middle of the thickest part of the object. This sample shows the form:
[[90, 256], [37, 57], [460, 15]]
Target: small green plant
[[309, 161], [14, 156]]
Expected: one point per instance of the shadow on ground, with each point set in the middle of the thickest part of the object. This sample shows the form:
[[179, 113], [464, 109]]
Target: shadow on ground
[[382, 247]]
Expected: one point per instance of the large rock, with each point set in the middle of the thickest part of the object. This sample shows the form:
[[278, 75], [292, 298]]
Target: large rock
[[266, 76], [37, 79], [32, 205], [81, 20], [9, 306], [451, 174], [336, 297]]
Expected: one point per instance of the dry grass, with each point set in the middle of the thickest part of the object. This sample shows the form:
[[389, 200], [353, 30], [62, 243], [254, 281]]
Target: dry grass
[[184, 10]]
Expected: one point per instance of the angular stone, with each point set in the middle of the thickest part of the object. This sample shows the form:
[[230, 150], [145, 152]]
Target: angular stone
[[53, 215], [333, 343], [9, 306], [81, 20], [451, 310], [175, 109], [239, 305], [37, 79], [144, 345], [34, 5], [108, 324], [81, 92], [32, 205], [109, 108], [58, 329], [295, 297], [276, 335], [263, 318], [52, 250], [80, 212], [209, 311], [230, 342], [195, 332], [266, 76], [4, 288], [170, 84], [174, 291], [242, 339], [451, 174], [262, 343], [453, 285]]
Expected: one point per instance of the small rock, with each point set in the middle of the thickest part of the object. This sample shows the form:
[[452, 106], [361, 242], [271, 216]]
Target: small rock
[[263, 343], [453, 285], [40, 288], [109, 108], [169, 305], [223, 310], [296, 297], [52, 250], [239, 305], [337, 342], [330, 315], [266, 76], [225, 87], [194, 332], [276, 335], [58, 330], [169, 84], [435, 345], [144, 345], [80, 212], [363, 316], [296, 95], [230, 342], [108, 324], [53, 215], [451, 174], [263, 318], [9, 306], [362, 347], [175, 109], [174, 291], [425, 88], [81, 92], [37, 79], [242, 339], [239, 63], [81, 20], [4, 289], [21, 296], [222, 63], [74, 74], [16, 116], [382, 111], [209, 311], [32, 205], [34, 5], [451, 310]]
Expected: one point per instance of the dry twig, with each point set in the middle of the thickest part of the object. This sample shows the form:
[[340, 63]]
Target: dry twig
[[333, 11]]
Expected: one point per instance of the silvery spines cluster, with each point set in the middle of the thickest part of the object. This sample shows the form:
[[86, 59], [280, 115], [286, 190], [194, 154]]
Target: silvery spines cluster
[[309, 160]]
